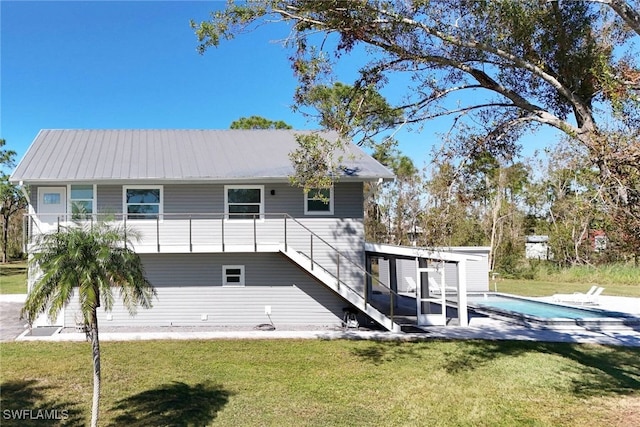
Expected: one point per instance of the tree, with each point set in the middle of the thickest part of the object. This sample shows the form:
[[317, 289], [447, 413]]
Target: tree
[[257, 122], [492, 186], [629, 15], [13, 200], [91, 261], [354, 112], [499, 68], [572, 202], [392, 209]]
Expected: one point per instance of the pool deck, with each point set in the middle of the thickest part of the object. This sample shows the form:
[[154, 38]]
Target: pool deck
[[479, 328]]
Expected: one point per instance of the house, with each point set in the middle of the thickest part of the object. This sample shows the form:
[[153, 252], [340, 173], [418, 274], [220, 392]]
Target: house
[[599, 240], [537, 247], [225, 238]]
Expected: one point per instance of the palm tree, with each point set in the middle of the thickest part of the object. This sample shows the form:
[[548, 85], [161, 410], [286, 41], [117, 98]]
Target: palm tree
[[94, 260]]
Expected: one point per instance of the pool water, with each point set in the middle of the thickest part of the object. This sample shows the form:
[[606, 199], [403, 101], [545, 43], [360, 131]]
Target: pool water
[[537, 309]]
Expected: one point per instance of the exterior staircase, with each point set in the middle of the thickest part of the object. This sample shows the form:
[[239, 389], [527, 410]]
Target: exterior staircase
[[338, 286]]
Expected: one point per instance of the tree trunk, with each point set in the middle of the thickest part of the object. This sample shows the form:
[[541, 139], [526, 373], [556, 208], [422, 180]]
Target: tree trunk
[[5, 238], [95, 345], [495, 218]]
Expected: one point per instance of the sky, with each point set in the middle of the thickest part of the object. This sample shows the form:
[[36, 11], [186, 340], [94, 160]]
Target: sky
[[134, 64]]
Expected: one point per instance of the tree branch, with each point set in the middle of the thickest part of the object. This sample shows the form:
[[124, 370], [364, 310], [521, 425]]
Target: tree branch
[[629, 15]]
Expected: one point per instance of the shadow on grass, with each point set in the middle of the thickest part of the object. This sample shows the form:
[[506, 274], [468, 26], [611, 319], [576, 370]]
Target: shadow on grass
[[25, 403], [380, 352], [604, 370], [176, 404], [599, 370]]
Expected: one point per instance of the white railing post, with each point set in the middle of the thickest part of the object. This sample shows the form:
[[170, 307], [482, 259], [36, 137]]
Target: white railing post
[[158, 232], [338, 269], [285, 233], [255, 240], [222, 232]]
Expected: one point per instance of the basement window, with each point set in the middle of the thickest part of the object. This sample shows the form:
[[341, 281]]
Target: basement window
[[233, 275]]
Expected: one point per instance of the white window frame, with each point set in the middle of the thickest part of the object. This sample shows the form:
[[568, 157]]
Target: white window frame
[[306, 204], [125, 211], [244, 186], [225, 283], [94, 203]]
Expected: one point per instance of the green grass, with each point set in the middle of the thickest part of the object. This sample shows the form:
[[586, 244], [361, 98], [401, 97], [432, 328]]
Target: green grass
[[13, 278], [337, 383], [538, 288], [611, 274]]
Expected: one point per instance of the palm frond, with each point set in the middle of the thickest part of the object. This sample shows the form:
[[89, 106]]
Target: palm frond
[[91, 260]]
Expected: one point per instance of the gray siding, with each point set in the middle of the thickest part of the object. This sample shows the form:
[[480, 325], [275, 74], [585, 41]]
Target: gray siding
[[209, 198], [190, 286], [343, 231], [109, 199]]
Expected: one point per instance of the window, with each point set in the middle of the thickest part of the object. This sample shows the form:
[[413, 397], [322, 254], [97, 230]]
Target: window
[[143, 202], [319, 201], [243, 201], [233, 275], [81, 199], [51, 198]]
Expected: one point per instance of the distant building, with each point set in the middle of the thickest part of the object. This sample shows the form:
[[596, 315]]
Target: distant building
[[599, 240], [537, 247]]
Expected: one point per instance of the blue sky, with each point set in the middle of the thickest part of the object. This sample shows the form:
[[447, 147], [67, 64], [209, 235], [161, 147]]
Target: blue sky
[[121, 64]]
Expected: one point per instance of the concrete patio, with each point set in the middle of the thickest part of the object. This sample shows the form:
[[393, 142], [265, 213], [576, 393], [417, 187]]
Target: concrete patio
[[479, 328]]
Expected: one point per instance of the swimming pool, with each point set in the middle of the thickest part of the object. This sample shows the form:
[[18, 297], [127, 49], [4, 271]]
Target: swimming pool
[[542, 313]]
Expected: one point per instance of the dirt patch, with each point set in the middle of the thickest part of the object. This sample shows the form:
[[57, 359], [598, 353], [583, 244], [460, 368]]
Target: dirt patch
[[622, 411]]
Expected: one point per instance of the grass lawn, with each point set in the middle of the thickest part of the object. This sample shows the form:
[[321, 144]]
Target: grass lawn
[[13, 278], [539, 288], [329, 383]]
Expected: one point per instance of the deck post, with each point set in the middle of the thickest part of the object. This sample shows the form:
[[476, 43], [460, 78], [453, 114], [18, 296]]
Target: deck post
[[222, 232], [463, 315], [285, 233], [311, 250], [338, 269], [368, 278], [255, 241], [25, 225], [393, 276], [124, 222], [158, 232], [190, 236]]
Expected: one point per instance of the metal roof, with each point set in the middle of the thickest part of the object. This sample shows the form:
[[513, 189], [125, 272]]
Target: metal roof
[[411, 252], [71, 155], [537, 239]]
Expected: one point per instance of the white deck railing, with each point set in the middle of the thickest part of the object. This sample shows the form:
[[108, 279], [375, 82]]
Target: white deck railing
[[221, 232]]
